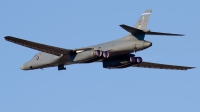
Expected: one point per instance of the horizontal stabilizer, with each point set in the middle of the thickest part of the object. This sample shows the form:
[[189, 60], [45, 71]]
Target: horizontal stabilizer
[[136, 31], [159, 33], [131, 29]]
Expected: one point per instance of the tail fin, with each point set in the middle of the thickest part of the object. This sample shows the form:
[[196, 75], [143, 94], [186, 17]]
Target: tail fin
[[140, 28], [143, 21]]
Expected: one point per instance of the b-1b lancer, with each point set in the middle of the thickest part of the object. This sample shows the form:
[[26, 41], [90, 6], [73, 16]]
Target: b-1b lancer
[[114, 54]]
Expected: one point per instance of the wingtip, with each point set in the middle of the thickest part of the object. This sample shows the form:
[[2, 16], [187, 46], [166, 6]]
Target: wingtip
[[190, 68], [181, 35], [6, 37], [9, 38], [122, 25]]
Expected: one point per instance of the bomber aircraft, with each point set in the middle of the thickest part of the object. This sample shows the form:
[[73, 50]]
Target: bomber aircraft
[[114, 54]]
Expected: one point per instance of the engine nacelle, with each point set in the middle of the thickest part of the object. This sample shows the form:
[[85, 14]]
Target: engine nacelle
[[97, 53], [138, 60], [85, 55], [132, 59], [121, 62], [105, 54]]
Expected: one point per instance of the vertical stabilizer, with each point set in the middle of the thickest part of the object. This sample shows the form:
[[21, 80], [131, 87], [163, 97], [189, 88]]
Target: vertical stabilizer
[[143, 21]]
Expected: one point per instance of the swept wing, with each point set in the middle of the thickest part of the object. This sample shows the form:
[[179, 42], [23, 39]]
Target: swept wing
[[161, 66], [42, 47]]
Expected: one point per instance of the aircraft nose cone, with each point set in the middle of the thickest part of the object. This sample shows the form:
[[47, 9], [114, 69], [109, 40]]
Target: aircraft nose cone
[[147, 44], [22, 67]]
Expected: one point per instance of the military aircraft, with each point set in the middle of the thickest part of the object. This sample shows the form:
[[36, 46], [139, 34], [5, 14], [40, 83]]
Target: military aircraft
[[114, 54]]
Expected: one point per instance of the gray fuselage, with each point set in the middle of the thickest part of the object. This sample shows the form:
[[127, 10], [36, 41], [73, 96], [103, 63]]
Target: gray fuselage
[[125, 45]]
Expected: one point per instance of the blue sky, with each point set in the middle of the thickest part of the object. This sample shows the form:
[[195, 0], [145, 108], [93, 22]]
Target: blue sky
[[88, 88]]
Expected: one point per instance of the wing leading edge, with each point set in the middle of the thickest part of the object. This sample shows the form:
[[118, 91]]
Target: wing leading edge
[[161, 66], [42, 47], [37, 46]]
